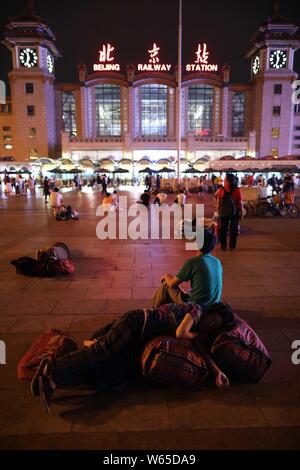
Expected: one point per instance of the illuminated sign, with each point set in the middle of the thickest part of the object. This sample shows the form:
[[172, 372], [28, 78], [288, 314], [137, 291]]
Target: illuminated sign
[[201, 62], [105, 60], [153, 62]]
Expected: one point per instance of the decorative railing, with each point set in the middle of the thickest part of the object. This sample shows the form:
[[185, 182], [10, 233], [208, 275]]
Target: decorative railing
[[220, 139], [96, 140], [154, 139]]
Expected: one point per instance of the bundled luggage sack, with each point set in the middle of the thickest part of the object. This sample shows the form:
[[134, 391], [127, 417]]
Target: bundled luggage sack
[[174, 362], [240, 353], [50, 261], [52, 344]]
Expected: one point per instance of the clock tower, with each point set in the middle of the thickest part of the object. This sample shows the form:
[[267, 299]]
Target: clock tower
[[272, 74], [32, 45]]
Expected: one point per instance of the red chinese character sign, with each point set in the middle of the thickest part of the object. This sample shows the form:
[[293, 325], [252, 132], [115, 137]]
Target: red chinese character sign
[[154, 64], [201, 63], [106, 60]]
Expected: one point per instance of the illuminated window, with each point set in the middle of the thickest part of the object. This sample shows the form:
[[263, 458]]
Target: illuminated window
[[33, 154], [275, 152], [7, 138], [275, 132], [69, 112], [8, 146], [200, 109], [108, 110], [238, 113], [154, 109], [5, 108], [31, 132]]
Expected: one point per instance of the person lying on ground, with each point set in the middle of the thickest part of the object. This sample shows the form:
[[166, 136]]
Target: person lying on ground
[[132, 330], [203, 271]]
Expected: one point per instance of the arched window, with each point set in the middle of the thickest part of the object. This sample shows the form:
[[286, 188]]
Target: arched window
[[108, 110], [154, 109], [238, 113], [200, 109], [69, 112]]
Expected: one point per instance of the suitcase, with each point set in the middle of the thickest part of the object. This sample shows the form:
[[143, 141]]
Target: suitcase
[[51, 344]]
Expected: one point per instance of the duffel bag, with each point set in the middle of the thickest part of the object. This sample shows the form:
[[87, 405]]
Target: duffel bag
[[174, 362], [240, 353]]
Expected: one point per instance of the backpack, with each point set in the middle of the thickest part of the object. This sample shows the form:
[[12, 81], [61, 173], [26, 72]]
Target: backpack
[[32, 267], [227, 205], [51, 344]]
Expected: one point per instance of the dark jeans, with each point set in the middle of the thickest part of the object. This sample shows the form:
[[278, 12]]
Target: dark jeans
[[115, 339], [232, 223]]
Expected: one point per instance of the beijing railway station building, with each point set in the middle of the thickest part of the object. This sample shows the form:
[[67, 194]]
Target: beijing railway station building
[[112, 117]]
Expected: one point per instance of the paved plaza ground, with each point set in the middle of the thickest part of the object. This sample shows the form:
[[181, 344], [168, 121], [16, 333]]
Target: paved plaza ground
[[261, 282]]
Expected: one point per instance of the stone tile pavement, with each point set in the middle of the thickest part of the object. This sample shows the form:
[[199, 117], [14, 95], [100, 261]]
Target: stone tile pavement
[[261, 282]]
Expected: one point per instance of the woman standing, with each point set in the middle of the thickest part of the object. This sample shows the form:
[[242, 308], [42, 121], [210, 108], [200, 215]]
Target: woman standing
[[46, 188], [229, 204]]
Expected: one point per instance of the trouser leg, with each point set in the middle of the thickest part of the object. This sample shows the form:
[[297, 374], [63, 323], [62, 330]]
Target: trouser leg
[[234, 222], [223, 231], [72, 369], [165, 295]]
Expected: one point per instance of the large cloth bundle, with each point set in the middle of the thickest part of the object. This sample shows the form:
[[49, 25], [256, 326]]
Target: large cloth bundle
[[174, 362], [240, 353], [50, 261]]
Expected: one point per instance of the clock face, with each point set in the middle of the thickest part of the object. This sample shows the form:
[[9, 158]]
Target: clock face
[[255, 65], [28, 57], [50, 63], [278, 59]]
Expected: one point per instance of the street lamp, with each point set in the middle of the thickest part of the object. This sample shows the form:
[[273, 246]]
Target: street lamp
[[179, 77]]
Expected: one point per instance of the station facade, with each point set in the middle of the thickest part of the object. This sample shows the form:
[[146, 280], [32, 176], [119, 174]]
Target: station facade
[[112, 117]]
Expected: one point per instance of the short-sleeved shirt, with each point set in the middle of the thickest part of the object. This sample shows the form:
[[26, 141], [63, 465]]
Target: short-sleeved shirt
[[166, 319], [205, 275]]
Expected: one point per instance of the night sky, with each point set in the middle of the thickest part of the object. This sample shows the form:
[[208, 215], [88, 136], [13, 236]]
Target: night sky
[[132, 26]]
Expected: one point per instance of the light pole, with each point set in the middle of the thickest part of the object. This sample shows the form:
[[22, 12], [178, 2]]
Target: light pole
[[179, 90]]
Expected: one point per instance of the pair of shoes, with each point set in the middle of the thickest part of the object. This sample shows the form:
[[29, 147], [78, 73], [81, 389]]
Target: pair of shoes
[[46, 392], [35, 381]]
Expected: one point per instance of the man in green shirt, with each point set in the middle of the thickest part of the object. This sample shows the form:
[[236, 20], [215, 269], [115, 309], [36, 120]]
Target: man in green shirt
[[204, 272]]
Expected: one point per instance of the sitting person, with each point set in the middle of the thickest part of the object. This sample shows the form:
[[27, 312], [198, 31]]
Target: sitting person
[[115, 200], [204, 272], [161, 198], [56, 200], [181, 198], [132, 330], [145, 198], [107, 202]]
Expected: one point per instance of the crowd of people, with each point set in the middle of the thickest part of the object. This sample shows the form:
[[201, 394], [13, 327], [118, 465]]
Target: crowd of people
[[17, 185]]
